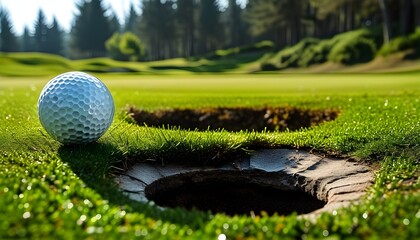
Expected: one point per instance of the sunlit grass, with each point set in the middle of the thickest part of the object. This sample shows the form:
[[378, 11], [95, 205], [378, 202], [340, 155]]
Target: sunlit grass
[[49, 190]]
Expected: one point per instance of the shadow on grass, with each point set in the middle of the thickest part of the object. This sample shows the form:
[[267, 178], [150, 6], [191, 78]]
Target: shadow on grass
[[92, 164]]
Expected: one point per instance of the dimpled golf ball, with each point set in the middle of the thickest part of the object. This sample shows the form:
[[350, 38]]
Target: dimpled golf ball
[[75, 108]]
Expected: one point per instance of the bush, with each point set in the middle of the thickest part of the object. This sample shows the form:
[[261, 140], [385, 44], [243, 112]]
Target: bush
[[264, 46], [125, 47], [353, 50], [113, 47], [130, 45], [291, 56], [347, 48], [402, 44], [317, 54]]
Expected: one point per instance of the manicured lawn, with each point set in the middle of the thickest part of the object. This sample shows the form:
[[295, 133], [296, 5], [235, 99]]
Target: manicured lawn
[[49, 190]]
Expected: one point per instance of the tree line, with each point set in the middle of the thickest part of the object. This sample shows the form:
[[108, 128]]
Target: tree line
[[185, 28]]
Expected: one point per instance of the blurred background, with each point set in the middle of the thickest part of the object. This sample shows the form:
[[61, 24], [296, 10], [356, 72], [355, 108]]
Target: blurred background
[[150, 30]]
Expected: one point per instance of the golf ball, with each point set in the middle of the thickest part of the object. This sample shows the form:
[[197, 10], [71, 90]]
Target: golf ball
[[75, 107]]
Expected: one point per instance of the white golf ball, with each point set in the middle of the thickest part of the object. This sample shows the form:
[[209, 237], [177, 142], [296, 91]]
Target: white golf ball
[[75, 107]]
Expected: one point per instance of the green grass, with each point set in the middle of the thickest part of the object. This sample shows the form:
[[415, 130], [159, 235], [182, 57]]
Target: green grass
[[41, 64], [53, 191]]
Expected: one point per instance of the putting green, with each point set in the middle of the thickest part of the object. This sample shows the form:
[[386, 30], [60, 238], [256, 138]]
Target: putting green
[[52, 191]]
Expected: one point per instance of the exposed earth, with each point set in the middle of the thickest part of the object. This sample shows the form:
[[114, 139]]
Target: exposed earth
[[234, 119]]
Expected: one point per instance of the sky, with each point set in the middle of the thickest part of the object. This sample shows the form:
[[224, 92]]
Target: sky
[[24, 12]]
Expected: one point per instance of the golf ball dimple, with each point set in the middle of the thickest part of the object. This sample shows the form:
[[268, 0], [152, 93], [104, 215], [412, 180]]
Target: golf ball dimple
[[75, 107]]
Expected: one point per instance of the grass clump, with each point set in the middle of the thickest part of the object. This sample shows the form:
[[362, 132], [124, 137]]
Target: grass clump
[[53, 191]]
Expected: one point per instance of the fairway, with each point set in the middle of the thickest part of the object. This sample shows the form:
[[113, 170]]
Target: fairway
[[281, 83], [47, 189], [269, 88]]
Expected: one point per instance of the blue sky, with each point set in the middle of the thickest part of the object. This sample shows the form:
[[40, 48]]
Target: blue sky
[[24, 12]]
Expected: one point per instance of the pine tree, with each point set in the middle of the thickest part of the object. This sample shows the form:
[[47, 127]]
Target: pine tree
[[54, 39], [27, 41], [40, 36], [407, 17], [235, 26], [158, 25], [186, 26], [90, 30], [132, 20], [8, 40], [210, 28], [115, 26], [279, 20]]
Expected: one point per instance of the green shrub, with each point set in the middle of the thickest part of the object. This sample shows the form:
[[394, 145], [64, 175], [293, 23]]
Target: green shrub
[[348, 48], [113, 47], [125, 47], [353, 50], [317, 54], [290, 57], [402, 44], [130, 45], [263, 46]]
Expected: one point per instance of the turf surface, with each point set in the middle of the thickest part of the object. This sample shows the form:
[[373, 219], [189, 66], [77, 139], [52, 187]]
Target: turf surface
[[54, 191]]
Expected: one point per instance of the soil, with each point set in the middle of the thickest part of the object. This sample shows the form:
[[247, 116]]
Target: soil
[[234, 119]]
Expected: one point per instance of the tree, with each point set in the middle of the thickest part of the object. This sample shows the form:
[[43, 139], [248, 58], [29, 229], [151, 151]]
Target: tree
[[27, 41], [40, 37], [386, 23], [8, 39], [210, 28], [336, 16], [91, 29], [186, 26], [235, 24], [279, 19], [263, 19], [132, 20], [158, 27], [115, 25], [54, 38], [407, 17]]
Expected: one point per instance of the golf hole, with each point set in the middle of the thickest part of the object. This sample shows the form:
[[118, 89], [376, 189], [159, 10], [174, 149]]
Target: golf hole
[[231, 193], [234, 119]]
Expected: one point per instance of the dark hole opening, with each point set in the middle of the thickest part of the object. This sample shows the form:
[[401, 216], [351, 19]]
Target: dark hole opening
[[230, 196], [234, 119]]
